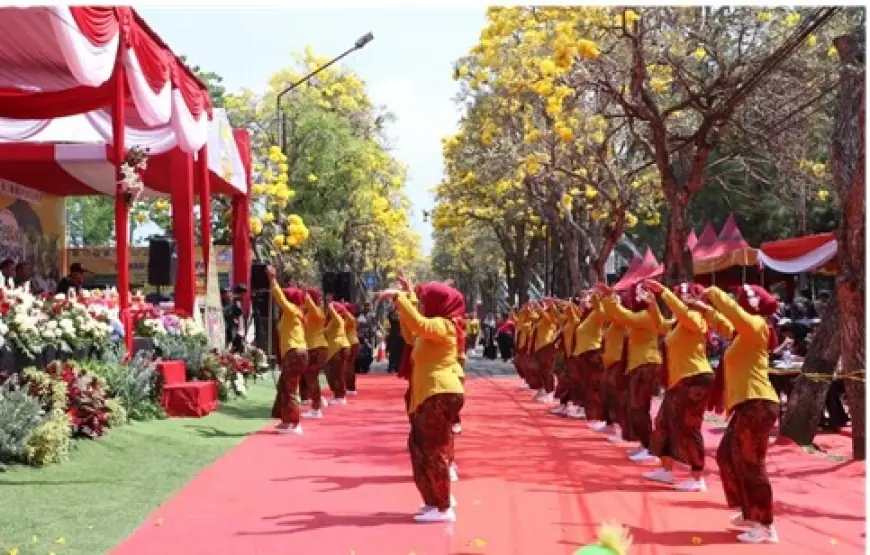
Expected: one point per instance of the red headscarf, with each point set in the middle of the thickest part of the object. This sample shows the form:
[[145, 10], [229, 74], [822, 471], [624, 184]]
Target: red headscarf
[[754, 300], [438, 300], [315, 295], [339, 308], [295, 296], [688, 290], [352, 308], [632, 302]]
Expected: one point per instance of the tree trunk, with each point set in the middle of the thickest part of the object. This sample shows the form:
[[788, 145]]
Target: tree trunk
[[511, 281], [678, 257], [847, 167], [521, 273], [572, 251], [807, 399]]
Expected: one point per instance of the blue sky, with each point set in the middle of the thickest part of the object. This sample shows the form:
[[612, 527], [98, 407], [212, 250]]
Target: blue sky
[[408, 66]]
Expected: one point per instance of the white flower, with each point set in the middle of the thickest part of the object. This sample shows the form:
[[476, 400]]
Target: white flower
[[60, 297]]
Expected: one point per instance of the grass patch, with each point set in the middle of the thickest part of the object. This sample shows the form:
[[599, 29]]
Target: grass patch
[[111, 484]]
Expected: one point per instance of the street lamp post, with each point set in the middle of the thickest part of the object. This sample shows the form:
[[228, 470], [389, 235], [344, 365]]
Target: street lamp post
[[358, 45]]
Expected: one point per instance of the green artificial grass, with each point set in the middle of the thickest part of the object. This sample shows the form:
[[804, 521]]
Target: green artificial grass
[[108, 486]]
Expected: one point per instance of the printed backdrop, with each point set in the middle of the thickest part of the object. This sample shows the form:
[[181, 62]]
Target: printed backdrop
[[32, 227]]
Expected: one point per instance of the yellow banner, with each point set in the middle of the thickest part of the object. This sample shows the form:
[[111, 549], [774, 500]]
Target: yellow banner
[[101, 261], [32, 228]]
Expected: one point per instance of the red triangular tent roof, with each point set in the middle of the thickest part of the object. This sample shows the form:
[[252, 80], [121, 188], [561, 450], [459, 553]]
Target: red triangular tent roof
[[691, 240], [647, 268], [706, 243], [730, 237]]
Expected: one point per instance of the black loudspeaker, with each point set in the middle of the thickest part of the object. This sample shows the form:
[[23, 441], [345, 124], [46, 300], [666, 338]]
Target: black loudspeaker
[[259, 277], [162, 261], [340, 284]]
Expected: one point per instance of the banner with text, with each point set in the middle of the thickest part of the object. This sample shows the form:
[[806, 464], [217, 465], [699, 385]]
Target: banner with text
[[101, 262]]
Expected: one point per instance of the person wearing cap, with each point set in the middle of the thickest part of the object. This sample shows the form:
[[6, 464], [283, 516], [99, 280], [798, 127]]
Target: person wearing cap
[[74, 280]]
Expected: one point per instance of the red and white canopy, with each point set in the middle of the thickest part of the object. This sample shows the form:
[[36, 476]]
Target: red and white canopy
[[800, 254], [59, 61], [71, 156]]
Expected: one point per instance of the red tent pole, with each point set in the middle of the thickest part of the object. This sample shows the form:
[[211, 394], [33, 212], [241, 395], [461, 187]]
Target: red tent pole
[[202, 174], [122, 208], [241, 219], [181, 177]]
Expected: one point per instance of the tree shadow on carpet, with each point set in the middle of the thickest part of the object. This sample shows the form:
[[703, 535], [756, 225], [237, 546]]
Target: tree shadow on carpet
[[340, 483], [292, 523]]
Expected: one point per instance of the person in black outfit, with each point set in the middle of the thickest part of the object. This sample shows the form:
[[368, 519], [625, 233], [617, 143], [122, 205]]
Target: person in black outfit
[[395, 343], [74, 280]]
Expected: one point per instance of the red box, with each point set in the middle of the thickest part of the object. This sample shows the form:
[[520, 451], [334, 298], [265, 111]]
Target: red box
[[190, 400], [173, 372]]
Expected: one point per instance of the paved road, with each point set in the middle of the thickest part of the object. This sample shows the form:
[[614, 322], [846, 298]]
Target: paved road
[[476, 366]]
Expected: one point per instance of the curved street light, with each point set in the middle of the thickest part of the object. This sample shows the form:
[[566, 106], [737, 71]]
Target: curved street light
[[357, 45]]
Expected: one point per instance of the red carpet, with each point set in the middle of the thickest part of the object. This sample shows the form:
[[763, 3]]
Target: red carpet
[[531, 484]]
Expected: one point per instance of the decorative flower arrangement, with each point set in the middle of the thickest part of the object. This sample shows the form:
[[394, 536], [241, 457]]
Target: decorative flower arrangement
[[151, 321], [75, 391], [232, 370], [31, 324], [135, 163]]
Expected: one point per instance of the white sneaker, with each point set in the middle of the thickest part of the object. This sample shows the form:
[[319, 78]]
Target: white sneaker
[[457, 428], [641, 456], [424, 508], [559, 410], [291, 430], [454, 472], [596, 426], [660, 475], [737, 521], [693, 485], [538, 395], [546, 398], [435, 515], [575, 412], [313, 413], [351, 392], [338, 401], [607, 429], [759, 534]]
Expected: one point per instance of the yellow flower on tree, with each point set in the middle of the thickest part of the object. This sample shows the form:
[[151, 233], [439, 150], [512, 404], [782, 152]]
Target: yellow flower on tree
[[823, 194], [312, 178], [256, 225], [278, 241], [587, 49]]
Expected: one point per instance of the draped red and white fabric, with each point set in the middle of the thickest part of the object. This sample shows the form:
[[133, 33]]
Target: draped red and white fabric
[[60, 61], [800, 254]]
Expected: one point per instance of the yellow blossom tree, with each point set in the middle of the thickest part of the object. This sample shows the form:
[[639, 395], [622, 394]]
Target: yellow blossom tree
[[332, 168]]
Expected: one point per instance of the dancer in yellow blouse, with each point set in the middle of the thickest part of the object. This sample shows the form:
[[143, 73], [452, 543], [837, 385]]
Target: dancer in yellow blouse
[[350, 330], [318, 352], [587, 349], [436, 392], [678, 423], [294, 353], [338, 349], [644, 362], [544, 350], [614, 358], [752, 405], [570, 388]]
